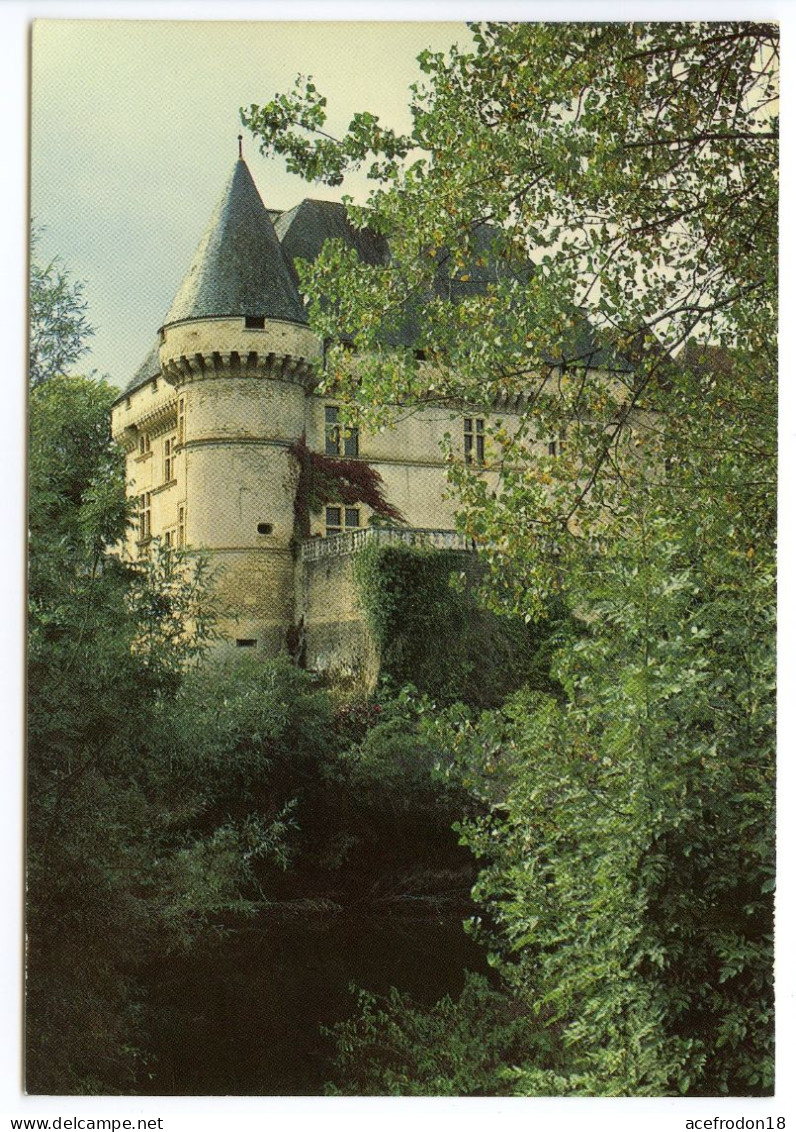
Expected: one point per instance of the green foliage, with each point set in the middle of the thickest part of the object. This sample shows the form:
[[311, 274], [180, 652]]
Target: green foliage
[[373, 813], [323, 158], [392, 768], [636, 164], [626, 825], [629, 842], [117, 867], [58, 325], [423, 604], [76, 473], [249, 735], [461, 1047]]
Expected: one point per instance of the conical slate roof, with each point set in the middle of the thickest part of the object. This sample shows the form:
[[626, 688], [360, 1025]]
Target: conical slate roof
[[238, 268]]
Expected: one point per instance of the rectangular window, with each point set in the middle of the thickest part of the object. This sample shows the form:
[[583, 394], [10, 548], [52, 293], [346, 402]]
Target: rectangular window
[[246, 642], [339, 441], [145, 516], [341, 519], [254, 322], [556, 447], [169, 444], [181, 525], [144, 444], [181, 420], [170, 538], [473, 440], [332, 431]]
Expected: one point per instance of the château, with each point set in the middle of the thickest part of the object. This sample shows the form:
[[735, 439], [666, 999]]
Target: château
[[210, 423]]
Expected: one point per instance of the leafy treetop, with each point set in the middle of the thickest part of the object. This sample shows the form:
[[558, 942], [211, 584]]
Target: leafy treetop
[[636, 166], [58, 326]]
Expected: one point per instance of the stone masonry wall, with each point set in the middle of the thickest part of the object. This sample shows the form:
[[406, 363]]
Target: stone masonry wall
[[336, 638]]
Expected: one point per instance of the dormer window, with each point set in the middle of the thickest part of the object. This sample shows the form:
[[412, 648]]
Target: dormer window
[[254, 322]]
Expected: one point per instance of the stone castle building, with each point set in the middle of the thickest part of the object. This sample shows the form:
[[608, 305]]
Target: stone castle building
[[208, 420]]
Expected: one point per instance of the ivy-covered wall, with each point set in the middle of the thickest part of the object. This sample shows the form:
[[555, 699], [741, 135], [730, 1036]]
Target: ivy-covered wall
[[422, 608]]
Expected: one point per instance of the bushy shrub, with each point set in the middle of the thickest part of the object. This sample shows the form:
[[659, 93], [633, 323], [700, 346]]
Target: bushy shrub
[[457, 1047]]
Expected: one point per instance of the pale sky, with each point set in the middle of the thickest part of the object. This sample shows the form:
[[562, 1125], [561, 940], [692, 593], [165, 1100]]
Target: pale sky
[[134, 130]]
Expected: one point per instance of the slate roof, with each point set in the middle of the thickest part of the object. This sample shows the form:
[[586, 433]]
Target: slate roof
[[304, 230], [149, 368], [580, 345], [245, 265], [239, 267]]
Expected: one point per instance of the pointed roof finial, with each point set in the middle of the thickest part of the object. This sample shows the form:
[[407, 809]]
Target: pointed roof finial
[[240, 147]]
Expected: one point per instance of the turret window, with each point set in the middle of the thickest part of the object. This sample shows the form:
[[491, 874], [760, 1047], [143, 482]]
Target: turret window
[[181, 420], [254, 322], [181, 525], [144, 444], [339, 441]]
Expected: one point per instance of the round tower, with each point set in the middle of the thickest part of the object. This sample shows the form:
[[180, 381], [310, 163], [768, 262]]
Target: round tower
[[237, 350]]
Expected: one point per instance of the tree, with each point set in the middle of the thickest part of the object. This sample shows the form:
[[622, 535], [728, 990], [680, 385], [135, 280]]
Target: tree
[[615, 186], [462, 1046], [120, 866], [635, 164], [58, 326]]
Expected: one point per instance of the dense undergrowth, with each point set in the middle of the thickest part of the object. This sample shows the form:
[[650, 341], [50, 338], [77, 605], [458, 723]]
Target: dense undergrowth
[[629, 935]]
